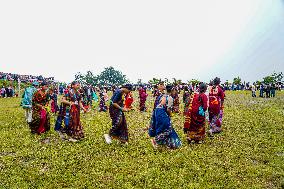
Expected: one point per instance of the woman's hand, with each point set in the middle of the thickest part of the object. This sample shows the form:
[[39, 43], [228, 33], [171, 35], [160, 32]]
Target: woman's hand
[[39, 106], [124, 109]]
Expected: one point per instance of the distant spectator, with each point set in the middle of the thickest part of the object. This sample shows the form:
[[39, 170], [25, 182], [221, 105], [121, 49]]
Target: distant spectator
[[3, 92], [253, 90]]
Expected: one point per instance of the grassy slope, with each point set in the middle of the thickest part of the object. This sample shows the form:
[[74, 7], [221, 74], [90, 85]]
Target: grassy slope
[[249, 153]]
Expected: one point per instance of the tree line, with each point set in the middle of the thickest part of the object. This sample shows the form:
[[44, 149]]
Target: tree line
[[110, 76]]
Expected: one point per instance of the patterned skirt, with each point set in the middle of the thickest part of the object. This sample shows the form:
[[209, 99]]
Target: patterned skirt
[[215, 122], [75, 129], [196, 130], [119, 128], [161, 129], [103, 107], [176, 105], [40, 122], [142, 104], [54, 107]]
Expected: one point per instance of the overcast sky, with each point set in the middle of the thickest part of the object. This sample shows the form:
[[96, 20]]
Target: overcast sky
[[143, 39]]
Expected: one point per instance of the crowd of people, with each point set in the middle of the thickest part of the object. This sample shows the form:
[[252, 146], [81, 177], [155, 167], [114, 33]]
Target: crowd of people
[[23, 78], [41, 99], [202, 103], [7, 92], [249, 86], [265, 91]]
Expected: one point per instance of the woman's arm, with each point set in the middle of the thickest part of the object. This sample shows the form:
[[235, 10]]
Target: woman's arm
[[64, 101], [118, 107], [81, 105]]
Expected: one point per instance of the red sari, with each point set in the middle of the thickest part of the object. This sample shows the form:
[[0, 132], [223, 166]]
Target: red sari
[[143, 97], [128, 101], [75, 128], [40, 117], [194, 125]]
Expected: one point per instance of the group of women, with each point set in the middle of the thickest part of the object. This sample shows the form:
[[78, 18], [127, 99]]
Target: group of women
[[196, 104], [160, 129]]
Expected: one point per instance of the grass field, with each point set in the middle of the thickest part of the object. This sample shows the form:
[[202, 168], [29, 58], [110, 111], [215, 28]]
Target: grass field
[[248, 154]]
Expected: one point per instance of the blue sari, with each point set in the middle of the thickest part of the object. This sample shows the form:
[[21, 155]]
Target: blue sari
[[161, 128]]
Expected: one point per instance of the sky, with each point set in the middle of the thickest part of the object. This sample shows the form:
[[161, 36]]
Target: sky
[[188, 39]]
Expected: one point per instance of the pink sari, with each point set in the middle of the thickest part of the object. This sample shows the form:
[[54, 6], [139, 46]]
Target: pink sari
[[43, 120]]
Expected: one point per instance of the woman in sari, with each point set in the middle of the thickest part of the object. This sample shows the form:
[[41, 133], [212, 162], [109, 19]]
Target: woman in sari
[[53, 98], [161, 127], [103, 107], [128, 101], [160, 91], [175, 97], [143, 97], [186, 99], [194, 125], [70, 110], [40, 118], [216, 106], [74, 100], [119, 128]]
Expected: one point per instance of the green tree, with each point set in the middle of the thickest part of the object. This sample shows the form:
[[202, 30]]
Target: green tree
[[194, 82], [278, 77], [154, 81], [237, 81], [88, 79], [273, 78], [110, 76], [176, 81], [269, 79]]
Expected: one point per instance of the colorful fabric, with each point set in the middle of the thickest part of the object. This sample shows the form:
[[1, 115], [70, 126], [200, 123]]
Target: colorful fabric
[[95, 97], [143, 97], [128, 101], [157, 100], [161, 128], [103, 107], [40, 118], [28, 97], [176, 103], [119, 128], [75, 129], [70, 116], [64, 114], [186, 101], [54, 105], [216, 98], [215, 122], [194, 125]]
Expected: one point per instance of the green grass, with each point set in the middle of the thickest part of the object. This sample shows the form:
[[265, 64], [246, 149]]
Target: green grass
[[248, 154]]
